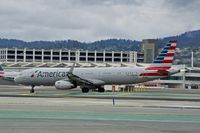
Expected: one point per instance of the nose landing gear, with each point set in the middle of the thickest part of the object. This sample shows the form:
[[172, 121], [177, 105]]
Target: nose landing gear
[[32, 89]]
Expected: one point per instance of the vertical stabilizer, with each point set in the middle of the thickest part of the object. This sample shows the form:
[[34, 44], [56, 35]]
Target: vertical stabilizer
[[165, 58]]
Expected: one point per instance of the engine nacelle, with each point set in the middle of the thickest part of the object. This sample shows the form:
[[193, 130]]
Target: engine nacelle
[[64, 85]]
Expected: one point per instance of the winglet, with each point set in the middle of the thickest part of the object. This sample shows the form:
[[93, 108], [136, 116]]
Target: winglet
[[72, 68], [1, 69]]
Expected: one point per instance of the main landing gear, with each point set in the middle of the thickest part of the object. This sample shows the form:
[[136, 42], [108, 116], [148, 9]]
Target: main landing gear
[[32, 89], [86, 89], [101, 89]]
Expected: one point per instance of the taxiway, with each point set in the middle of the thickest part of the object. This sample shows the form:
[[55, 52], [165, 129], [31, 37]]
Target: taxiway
[[19, 114]]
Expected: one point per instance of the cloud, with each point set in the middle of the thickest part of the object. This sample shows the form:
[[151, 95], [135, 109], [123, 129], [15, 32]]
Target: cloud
[[90, 20]]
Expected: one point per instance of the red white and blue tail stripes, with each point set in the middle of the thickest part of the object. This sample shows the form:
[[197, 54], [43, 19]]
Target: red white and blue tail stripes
[[2, 74], [165, 58], [161, 65]]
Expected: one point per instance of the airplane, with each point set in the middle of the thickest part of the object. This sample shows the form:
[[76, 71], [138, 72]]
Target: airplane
[[96, 78], [7, 77]]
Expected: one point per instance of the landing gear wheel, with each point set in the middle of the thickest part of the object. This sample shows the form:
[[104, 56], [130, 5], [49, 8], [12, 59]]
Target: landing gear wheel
[[85, 90], [101, 89], [32, 89]]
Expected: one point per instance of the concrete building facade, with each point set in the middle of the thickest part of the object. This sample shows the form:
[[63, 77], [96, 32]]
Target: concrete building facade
[[150, 49], [63, 56]]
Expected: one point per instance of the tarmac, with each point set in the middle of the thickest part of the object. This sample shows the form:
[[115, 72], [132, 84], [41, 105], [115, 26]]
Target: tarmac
[[71, 111]]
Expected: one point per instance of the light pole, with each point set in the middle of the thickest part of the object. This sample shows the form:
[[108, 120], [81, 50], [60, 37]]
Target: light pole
[[192, 59]]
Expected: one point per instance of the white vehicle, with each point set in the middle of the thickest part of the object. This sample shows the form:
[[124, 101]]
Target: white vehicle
[[96, 78]]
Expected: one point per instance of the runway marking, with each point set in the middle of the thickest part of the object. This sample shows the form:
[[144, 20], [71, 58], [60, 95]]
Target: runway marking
[[55, 94], [94, 102], [99, 116], [27, 94], [97, 112]]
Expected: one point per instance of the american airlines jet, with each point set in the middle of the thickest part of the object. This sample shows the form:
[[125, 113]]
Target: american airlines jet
[[96, 78], [7, 77]]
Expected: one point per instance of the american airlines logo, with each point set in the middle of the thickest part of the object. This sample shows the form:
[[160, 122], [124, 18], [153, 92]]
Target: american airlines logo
[[49, 74], [33, 75]]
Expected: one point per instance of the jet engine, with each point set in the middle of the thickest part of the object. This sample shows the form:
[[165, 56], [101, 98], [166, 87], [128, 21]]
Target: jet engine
[[64, 85]]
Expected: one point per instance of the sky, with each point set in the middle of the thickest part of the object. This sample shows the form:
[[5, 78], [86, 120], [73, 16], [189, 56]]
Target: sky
[[91, 20]]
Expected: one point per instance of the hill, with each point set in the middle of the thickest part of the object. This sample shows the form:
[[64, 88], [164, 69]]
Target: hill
[[110, 44], [187, 39]]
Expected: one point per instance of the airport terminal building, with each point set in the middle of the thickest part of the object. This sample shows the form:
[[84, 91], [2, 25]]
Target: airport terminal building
[[189, 78], [67, 56]]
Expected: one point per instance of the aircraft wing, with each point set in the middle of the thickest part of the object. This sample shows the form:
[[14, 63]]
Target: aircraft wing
[[76, 79], [86, 82], [80, 81], [7, 81], [7, 77]]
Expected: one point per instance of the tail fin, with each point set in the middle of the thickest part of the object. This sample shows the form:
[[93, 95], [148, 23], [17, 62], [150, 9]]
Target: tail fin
[[165, 58], [1, 72]]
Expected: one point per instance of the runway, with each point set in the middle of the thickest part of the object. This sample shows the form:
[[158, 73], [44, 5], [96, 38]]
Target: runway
[[51, 92], [96, 115], [56, 111]]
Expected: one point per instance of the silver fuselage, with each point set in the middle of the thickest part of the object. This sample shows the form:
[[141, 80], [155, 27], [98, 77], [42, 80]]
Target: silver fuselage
[[111, 75]]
